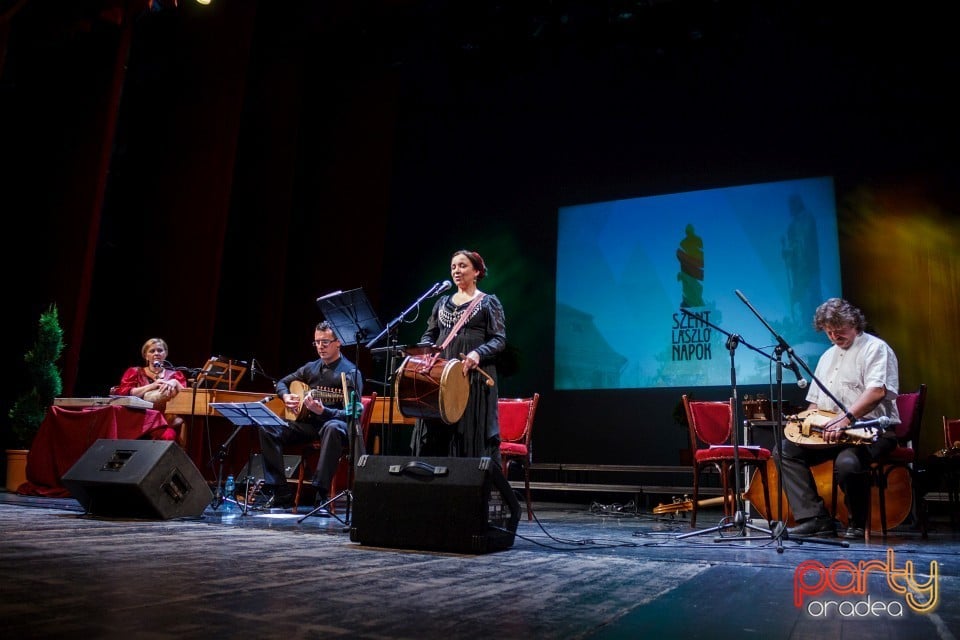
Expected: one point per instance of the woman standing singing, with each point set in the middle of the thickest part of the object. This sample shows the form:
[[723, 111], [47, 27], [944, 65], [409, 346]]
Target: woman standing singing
[[476, 320]]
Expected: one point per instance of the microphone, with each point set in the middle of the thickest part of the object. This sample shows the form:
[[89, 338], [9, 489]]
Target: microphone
[[267, 399], [157, 364], [440, 287], [253, 369], [801, 382], [882, 423]]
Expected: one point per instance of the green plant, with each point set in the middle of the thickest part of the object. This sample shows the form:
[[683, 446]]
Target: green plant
[[28, 411]]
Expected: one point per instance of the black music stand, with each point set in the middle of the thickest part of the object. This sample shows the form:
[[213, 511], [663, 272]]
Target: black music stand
[[352, 320], [241, 414], [350, 316]]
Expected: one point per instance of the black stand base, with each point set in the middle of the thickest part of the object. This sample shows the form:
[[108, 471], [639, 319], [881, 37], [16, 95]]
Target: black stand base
[[738, 521], [323, 506], [780, 533], [742, 524]]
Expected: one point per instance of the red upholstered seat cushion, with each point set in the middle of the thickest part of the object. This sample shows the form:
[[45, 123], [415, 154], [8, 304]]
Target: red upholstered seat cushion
[[513, 448], [725, 452]]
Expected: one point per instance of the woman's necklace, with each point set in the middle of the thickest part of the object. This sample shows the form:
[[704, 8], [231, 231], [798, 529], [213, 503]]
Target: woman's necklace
[[153, 375], [462, 297]]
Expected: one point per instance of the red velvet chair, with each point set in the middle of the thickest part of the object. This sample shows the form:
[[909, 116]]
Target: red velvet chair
[[710, 424], [947, 462], [341, 479], [516, 437], [910, 407], [901, 461]]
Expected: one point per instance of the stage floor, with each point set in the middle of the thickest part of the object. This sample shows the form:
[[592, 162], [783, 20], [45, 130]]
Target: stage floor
[[578, 571]]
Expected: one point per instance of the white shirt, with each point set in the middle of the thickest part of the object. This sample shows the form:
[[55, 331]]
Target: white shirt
[[869, 362]]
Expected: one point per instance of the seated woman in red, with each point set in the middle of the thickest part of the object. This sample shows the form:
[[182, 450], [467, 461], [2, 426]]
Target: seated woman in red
[[155, 383]]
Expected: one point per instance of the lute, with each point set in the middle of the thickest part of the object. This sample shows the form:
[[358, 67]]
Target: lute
[[679, 505], [327, 396]]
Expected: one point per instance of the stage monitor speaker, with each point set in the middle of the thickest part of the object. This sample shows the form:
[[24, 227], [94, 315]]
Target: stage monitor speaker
[[138, 479], [463, 505], [255, 465]]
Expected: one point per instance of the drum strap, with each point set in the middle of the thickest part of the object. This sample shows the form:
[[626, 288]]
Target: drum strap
[[462, 321]]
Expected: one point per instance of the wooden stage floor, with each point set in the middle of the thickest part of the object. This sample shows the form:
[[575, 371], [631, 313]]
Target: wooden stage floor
[[578, 571]]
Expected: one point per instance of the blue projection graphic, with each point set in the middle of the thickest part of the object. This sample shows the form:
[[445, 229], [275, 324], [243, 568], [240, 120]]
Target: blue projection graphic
[[626, 268]]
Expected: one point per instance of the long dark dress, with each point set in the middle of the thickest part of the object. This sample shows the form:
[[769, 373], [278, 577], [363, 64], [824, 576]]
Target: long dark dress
[[477, 433]]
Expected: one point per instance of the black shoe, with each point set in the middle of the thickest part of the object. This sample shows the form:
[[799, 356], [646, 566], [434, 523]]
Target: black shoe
[[821, 526], [281, 501], [277, 497], [853, 533]]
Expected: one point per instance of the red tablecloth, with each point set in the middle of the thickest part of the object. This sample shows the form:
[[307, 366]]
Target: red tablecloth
[[65, 434]]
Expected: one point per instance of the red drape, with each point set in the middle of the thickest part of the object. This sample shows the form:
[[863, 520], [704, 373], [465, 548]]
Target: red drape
[[66, 433]]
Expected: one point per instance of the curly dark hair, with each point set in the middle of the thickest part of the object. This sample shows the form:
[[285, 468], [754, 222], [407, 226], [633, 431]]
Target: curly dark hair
[[837, 312]]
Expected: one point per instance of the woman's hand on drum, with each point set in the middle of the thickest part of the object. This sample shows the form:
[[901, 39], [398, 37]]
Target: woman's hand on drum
[[471, 361], [168, 388]]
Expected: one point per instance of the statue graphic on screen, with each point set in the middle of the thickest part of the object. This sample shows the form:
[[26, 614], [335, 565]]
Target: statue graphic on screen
[[801, 255], [690, 255]]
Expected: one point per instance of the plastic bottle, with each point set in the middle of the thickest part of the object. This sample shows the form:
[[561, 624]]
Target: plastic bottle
[[230, 496]]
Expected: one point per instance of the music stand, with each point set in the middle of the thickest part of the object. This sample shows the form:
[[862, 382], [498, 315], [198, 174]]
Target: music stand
[[241, 414], [350, 316], [352, 320], [221, 374]]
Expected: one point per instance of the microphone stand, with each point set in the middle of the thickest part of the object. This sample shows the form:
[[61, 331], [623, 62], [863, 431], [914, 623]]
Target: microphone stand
[[390, 372], [192, 374], [432, 291], [740, 520], [780, 531]]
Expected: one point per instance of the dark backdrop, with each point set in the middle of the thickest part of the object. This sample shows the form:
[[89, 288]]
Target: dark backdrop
[[205, 173]]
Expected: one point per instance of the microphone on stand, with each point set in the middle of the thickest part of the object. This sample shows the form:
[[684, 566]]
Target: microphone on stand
[[801, 381], [440, 287], [882, 423], [253, 369]]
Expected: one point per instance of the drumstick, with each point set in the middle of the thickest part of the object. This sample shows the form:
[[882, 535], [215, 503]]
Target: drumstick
[[490, 382]]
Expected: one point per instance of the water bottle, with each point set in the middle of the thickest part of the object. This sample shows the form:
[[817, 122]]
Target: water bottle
[[230, 496]]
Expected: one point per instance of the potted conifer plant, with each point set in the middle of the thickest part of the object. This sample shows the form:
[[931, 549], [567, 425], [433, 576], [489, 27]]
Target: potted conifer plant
[[45, 383]]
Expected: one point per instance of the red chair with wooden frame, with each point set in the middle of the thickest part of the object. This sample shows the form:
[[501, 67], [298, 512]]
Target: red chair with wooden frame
[[342, 477], [901, 461], [516, 437], [947, 462], [910, 407], [710, 423]]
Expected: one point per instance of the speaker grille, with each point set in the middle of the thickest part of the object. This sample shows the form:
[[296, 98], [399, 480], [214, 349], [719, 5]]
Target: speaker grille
[[467, 506], [138, 479]]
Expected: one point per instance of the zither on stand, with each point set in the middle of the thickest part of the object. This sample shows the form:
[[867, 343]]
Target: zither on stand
[[780, 532], [740, 521]]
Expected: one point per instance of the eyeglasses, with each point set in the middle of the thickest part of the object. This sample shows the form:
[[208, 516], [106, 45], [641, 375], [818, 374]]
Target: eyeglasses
[[322, 343]]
